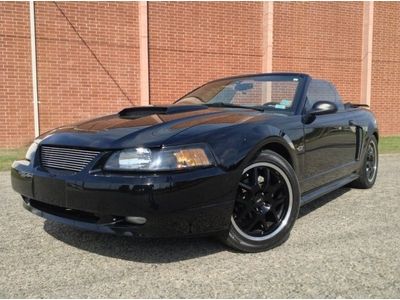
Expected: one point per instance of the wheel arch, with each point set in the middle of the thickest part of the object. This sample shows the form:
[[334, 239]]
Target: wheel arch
[[280, 149], [376, 135], [282, 145]]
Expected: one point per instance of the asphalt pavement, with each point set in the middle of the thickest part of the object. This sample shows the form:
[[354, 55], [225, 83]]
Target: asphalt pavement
[[346, 244]]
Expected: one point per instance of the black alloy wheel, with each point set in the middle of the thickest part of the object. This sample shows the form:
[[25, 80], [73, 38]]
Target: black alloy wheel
[[262, 201], [369, 166], [371, 161], [266, 205]]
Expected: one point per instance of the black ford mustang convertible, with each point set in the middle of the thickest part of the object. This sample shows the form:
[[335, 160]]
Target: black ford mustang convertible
[[236, 158]]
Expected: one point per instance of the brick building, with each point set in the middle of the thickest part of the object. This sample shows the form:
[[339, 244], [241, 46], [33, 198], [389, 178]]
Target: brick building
[[94, 58]]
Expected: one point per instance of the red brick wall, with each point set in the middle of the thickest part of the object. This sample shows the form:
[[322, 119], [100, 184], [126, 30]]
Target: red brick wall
[[323, 39], [72, 84], [194, 42], [16, 117], [385, 96], [189, 43]]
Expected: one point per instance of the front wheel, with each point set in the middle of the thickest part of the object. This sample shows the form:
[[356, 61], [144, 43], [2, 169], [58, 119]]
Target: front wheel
[[266, 206]]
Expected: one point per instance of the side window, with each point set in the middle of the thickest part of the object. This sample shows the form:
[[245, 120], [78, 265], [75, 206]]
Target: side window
[[319, 90], [338, 99]]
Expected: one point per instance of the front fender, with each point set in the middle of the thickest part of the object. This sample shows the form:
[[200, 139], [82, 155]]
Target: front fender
[[235, 146], [284, 142]]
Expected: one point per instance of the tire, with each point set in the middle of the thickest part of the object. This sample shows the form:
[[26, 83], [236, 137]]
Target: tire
[[369, 168], [266, 206]]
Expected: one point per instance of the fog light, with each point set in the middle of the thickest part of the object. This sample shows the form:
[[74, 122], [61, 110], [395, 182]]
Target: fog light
[[136, 220]]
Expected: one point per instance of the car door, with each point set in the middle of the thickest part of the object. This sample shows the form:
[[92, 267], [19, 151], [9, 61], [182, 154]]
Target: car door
[[330, 140]]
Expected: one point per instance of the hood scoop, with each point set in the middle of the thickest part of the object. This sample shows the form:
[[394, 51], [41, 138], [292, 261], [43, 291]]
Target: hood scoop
[[138, 112]]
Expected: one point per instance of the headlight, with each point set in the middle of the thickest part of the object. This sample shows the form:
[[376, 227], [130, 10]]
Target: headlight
[[30, 154], [160, 160]]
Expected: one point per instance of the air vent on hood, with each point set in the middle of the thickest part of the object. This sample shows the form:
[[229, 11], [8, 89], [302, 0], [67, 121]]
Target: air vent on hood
[[137, 112]]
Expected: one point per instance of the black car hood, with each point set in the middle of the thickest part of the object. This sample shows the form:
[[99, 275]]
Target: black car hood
[[146, 126]]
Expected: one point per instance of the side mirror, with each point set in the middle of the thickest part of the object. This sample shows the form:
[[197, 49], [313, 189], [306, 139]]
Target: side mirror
[[319, 108], [323, 108]]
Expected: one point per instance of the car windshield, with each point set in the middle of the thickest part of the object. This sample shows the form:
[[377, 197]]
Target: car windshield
[[261, 92]]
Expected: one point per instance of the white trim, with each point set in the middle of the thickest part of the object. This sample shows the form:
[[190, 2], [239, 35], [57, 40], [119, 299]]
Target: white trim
[[144, 53], [267, 46], [34, 70], [366, 56], [268, 38]]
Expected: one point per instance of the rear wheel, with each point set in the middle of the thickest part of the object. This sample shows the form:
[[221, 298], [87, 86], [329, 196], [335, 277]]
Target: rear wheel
[[266, 206], [369, 167]]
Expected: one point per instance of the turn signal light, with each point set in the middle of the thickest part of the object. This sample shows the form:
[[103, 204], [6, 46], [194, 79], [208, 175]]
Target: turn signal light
[[191, 158]]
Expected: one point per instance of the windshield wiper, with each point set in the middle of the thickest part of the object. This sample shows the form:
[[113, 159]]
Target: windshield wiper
[[229, 105]]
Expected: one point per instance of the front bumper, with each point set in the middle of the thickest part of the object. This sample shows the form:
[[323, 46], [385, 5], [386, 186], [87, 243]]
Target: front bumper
[[174, 204]]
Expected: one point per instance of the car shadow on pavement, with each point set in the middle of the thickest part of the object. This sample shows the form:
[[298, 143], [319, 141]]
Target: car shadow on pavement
[[163, 250], [154, 250]]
